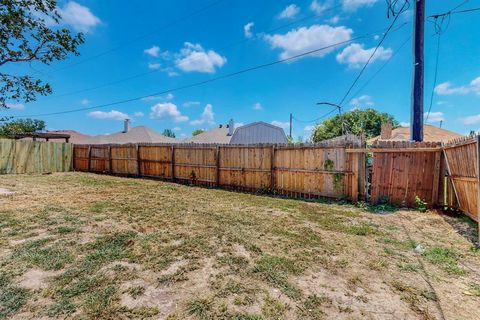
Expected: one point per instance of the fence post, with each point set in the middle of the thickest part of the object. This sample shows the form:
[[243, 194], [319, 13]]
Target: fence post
[[478, 187], [436, 178], [272, 170], [88, 157], [217, 160], [137, 149], [173, 162], [110, 159]]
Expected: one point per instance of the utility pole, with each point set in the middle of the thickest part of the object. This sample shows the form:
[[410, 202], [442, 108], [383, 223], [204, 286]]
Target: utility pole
[[416, 128], [291, 120]]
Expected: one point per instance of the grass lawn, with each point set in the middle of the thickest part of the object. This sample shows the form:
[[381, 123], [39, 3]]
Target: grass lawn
[[83, 246]]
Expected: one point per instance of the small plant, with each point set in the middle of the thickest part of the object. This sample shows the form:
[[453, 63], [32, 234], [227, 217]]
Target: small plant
[[420, 204], [200, 308], [136, 291], [445, 258]]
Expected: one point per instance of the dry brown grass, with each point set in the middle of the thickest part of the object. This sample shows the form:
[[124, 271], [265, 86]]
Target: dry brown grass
[[91, 246]]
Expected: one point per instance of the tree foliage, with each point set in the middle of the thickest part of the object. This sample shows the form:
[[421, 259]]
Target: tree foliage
[[368, 121], [29, 31], [8, 128], [197, 132], [169, 133]]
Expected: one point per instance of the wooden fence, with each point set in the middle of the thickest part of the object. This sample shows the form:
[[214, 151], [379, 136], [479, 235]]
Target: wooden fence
[[403, 171], [463, 165], [24, 156], [301, 171]]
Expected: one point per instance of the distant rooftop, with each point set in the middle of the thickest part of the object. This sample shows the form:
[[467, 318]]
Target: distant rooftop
[[140, 134], [430, 134], [216, 135]]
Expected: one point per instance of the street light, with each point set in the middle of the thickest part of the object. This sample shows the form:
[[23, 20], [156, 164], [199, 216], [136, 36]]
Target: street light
[[339, 112]]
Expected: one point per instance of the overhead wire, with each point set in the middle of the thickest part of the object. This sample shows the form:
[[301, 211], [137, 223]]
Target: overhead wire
[[145, 35], [138, 75], [195, 84], [403, 9]]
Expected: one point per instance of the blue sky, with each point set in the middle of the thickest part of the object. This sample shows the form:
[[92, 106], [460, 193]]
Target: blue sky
[[153, 46]]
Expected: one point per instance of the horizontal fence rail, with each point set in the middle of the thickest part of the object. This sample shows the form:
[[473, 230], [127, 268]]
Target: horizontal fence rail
[[300, 171]]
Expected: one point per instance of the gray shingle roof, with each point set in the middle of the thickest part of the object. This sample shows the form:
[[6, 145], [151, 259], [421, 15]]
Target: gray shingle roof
[[140, 134], [258, 132]]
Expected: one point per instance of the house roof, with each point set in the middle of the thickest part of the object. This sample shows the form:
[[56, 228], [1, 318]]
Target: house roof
[[216, 135], [430, 134], [258, 132], [140, 134], [75, 136]]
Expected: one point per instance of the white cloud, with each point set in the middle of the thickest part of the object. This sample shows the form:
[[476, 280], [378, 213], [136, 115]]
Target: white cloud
[[475, 119], [85, 102], [154, 66], [356, 56], [435, 116], [191, 103], [309, 128], [238, 125], [405, 124], [247, 29], [289, 12], [177, 129], [362, 101], [169, 96], [138, 114], [447, 89], [193, 57], [257, 106], [352, 5], [334, 20], [78, 16], [319, 8], [153, 51], [16, 106], [304, 39], [111, 115], [167, 111], [283, 125], [206, 117]]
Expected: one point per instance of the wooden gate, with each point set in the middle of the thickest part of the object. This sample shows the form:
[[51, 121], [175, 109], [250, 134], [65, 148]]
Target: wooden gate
[[462, 158]]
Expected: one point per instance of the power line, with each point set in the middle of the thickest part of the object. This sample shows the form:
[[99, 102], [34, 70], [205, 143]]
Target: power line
[[146, 35], [382, 67], [315, 120], [229, 75], [439, 36], [157, 70], [372, 55]]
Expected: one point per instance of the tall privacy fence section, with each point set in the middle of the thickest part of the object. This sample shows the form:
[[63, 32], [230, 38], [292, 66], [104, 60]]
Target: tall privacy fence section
[[320, 170], [27, 156]]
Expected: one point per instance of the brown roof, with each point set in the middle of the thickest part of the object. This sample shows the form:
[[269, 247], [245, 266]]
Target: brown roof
[[430, 134], [140, 134], [216, 135], [75, 136]]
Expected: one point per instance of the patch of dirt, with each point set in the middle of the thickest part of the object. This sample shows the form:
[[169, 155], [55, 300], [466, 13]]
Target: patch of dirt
[[35, 279], [40, 234], [378, 302], [4, 191], [240, 251]]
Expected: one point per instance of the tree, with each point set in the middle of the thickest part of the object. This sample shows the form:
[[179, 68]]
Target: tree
[[197, 132], [368, 121], [29, 32], [169, 133], [8, 128]]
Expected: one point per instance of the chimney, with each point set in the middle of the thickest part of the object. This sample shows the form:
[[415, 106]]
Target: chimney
[[126, 125], [230, 126], [386, 131]]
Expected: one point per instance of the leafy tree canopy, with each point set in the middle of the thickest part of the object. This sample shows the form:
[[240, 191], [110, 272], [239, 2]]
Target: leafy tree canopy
[[197, 132], [368, 121], [8, 128], [29, 31], [169, 133]]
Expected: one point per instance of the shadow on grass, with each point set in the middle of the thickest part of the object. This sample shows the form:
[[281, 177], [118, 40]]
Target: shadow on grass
[[463, 225]]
